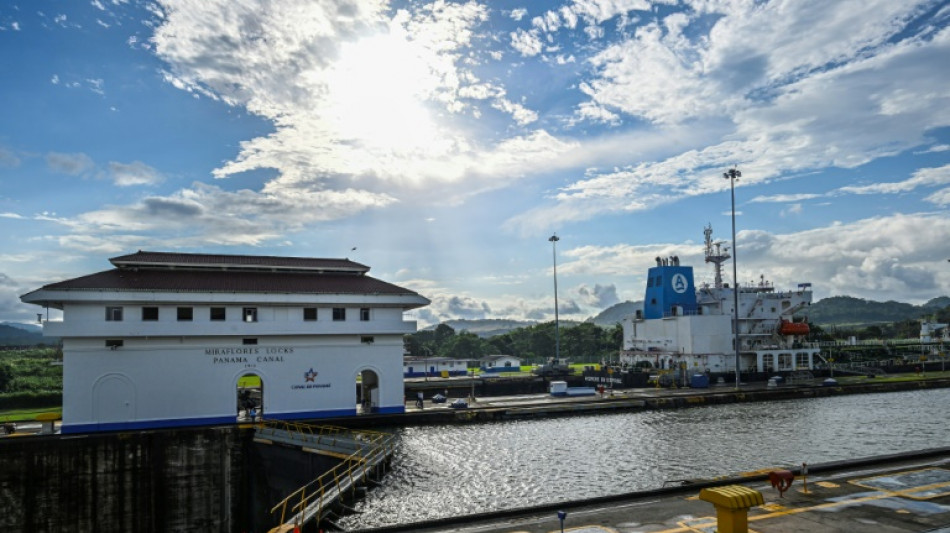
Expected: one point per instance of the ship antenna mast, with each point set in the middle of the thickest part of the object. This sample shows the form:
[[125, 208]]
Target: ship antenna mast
[[715, 254]]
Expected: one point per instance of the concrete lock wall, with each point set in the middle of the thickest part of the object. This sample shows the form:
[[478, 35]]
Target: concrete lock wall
[[189, 480]]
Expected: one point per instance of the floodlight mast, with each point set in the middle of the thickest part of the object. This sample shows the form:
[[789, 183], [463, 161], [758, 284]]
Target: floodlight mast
[[732, 175], [557, 334]]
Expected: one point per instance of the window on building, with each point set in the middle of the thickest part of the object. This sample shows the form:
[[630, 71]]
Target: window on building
[[218, 313], [801, 360], [114, 344], [364, 314], [250, 314], [186, 314], [249, 341], [339, 313], [113, 314], [309, 313], [149, 313], [366, 339]]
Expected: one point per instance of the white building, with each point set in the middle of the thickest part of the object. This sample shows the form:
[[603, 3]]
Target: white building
[[500, 363], [417, 367], [162, 339]]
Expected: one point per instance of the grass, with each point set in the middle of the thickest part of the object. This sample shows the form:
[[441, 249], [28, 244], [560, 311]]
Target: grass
[[27, 415], [893, 378]]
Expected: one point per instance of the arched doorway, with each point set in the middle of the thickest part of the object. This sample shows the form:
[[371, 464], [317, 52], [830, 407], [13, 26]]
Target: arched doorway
[[113, 399], [250, 398], [368, 391]]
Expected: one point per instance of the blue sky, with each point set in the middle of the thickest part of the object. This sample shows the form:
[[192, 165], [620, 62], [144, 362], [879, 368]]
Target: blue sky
[[447, 141]]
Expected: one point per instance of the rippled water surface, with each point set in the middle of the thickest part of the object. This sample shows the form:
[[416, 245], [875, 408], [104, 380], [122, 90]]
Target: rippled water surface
[[441, 471]]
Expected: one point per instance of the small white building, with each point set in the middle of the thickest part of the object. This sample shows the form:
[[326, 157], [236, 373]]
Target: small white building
[[163, 339], [500, 363], [418, 367]]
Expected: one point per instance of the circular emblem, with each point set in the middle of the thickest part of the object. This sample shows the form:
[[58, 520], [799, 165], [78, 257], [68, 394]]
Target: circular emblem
[[679, 283]]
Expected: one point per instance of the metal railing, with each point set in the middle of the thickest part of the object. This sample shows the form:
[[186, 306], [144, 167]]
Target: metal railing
[[330, 485]]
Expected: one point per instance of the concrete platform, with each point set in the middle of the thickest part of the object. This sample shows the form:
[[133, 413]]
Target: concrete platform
[[893, 494]]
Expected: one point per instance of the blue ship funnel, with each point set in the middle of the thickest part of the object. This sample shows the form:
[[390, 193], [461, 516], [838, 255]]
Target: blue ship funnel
[[669, 286]]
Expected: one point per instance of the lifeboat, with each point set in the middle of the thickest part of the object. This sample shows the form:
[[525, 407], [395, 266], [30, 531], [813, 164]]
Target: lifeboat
[[793, 328]]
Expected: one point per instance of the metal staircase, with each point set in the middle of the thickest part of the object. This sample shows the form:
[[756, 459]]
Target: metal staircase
[[363, 455]]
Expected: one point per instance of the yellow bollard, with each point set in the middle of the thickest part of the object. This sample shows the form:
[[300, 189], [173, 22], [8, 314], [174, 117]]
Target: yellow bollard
[[732, 504]]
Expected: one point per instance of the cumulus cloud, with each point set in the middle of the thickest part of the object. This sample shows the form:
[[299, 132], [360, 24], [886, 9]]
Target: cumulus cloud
[[134, 173], [882, 258], [341, 89], [840, 111], [598, 296], [206, 214]]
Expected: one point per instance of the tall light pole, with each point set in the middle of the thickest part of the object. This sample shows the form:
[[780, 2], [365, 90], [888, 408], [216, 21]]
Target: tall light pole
[[732, 175], [557, 333]]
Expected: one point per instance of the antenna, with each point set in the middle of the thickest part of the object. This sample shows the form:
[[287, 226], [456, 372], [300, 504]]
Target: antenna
[[716, 254]]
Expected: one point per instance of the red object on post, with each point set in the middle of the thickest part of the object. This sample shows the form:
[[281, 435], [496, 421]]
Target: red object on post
[[781, 480]]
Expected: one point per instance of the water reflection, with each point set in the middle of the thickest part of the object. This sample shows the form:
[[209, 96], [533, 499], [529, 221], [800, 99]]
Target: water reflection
[[441, 471]]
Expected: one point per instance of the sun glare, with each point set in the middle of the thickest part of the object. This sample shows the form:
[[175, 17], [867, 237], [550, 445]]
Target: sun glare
[[377, 91]]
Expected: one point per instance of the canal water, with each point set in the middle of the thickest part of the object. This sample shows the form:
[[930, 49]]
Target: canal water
[[451, 470]]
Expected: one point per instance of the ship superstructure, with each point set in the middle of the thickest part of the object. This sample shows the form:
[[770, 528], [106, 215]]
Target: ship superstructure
[[684, 327]]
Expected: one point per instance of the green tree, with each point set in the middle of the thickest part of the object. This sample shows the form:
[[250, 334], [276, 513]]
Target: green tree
[[465, 345], [6, 376]]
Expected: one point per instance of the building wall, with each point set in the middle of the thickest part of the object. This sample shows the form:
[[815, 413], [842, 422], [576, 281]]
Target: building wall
[[165, 382], [89, 318]]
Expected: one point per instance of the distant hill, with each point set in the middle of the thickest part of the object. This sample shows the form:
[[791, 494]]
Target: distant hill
[[837, 310], [17, 336], [33, 328], [846, 310], [615, 313], [486, 328]]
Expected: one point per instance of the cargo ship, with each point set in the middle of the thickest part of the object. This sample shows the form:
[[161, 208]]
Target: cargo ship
[[690, 330]]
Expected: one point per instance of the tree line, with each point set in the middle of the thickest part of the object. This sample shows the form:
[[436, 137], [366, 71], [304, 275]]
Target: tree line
[[581, 343]]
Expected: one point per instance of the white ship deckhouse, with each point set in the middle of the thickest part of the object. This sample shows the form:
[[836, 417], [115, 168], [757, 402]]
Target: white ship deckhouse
[[172, 339]]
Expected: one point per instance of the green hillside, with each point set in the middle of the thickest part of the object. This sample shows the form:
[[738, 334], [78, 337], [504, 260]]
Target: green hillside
[[849, 311]]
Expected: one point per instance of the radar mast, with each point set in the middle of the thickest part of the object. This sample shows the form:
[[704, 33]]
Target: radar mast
[[716, 254]]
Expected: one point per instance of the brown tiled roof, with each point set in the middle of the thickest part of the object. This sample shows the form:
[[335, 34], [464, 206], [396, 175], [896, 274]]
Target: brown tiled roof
[[219, 261], [230, 281]]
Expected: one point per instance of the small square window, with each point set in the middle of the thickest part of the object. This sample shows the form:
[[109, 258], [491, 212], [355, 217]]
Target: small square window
[[339, 313], [250, 314], [149, 313], [113, 314], [114, 343], [364, 314], [186, 314], [249, 341], [310, 313], [366, 339], [218, 314]]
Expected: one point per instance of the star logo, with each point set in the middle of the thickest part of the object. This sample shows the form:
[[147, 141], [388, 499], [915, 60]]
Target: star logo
[[310, 375]]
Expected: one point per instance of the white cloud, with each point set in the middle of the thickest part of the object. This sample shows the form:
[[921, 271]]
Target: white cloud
[[925, 177], [785, 198], [899, 257], [526, 43], [838, 117], [134, 173], [205, 214], [598, 296]]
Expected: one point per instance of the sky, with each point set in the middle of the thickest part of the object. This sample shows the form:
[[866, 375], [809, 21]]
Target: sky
[[444, 143]]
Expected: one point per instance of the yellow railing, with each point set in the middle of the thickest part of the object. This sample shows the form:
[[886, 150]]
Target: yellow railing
[[352, 469]]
